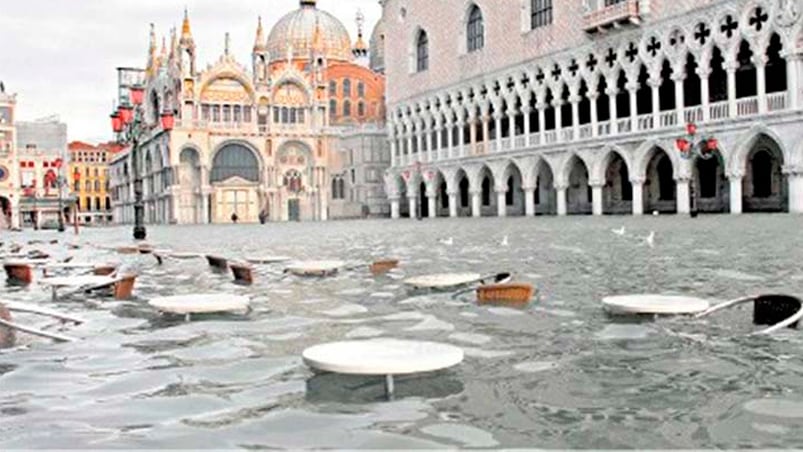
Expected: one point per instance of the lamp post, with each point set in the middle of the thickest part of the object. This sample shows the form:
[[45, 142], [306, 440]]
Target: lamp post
[[60, 182], [692, 147], [130, 125]]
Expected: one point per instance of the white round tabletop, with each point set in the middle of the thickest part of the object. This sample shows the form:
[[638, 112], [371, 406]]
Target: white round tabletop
[[443, 280], [78, 281], [267, 259], [182, 255], [201, 303], [69, 265], [654, 304], [25, 262], [382, 357], [315, 267]]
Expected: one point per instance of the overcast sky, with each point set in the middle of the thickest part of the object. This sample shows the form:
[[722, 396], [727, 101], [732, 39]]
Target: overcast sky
[[60, 56]]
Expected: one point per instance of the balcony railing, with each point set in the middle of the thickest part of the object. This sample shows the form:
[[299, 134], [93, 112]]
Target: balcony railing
[[666, 120], [623, 12]]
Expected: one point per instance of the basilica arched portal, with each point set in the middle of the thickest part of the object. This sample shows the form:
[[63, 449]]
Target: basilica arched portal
[[235, 179]]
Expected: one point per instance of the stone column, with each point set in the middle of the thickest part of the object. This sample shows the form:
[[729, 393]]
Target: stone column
[[511, 124], [432, 204], [419, 139], [541, 106], [655, 85], [561, 192], [526, 111], [612, 91], [457, 153], [735, 193], [412, 199], [393, 150], [529, 201], [438, 145], [394, 208], [472, 135], [501, 201], [485, 133], [795, 177], [680, 98], [430, 150], [596, 197], [731, 68], [556, 104], [476, 204], [592, 99], [409, 157], [452, 204], [575, 101], [794, 68], [638, 196], [760, 62], [632, 88], [683, 201], [705, 92], [498, 137]]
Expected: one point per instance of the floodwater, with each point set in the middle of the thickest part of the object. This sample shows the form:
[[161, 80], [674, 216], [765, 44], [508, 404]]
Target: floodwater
[[558, 374]]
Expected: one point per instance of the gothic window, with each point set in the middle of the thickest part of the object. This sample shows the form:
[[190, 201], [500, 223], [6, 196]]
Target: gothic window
[[332, 109], [775, 69], [360, 90], [346, 109], [361, 109], [692, 87], [666, 98], [584, 108], [293, 182], [476, 29], [422, 51], [346, 88], [746, 72], [718, 79], [541, 13], [333, 88]]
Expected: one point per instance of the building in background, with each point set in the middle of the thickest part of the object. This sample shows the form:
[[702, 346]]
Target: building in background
[[500, 107], [42, 154], [266, 144], [88, 177], [9, 163]]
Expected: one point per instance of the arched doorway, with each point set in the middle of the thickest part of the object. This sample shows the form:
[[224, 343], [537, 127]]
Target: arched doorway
[[659, 186], [578, 193], [712, 187], [189, 179], [487, 195], [442, 201], [235, 177], [764, 187], [464, 195], [546, 198], [5, 213], [423, 202], [514, 197], [617, 194]]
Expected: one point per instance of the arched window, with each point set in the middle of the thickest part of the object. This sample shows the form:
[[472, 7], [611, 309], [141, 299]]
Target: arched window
[[341, 186], [332, 109], [346, 109], [475, 32], [293, 181], [775, 70], [541, 13], [347, 88], [108, 204], [285, 115], [97, 205], [360, 90], [235, 160], [333, 88], [422, 51], [360, 109], [292, 115]]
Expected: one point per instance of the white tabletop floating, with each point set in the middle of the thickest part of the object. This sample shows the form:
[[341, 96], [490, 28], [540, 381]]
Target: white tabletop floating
[[654, 304], [379, 357], [267, 259], [183, 255], [443, 280], [79, 281], [208, 303], [315, 268]]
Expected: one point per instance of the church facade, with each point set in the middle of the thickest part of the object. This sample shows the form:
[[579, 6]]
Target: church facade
[[529, 107], [257, 143]]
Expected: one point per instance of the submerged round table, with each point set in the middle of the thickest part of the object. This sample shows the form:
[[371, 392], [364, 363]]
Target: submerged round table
[[654, 304], [315, 268], [267, 259], [88, 282], [443, 280], [386, 357], [208, 303]]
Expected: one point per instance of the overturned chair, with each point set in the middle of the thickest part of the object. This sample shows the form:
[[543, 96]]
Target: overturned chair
[[120, 285], [777, 311]]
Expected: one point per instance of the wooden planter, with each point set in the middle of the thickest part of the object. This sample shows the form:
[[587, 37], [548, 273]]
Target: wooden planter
[[218, 264], [124, 288], [511, 294], [384, 266], [243, 273], [19, 273]]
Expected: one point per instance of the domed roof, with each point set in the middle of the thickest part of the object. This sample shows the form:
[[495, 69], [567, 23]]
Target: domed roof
[[309, 27], [377, 47]]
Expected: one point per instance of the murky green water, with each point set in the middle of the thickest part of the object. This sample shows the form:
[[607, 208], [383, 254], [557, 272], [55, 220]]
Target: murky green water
[[559, 374]]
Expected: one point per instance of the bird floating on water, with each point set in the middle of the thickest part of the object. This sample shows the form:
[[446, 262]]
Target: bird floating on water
[[620, 231], [449, 241], [504, 241]]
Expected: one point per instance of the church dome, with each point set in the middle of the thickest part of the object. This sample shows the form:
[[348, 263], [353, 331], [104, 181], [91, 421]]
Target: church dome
[[377, 47], [306, 28]]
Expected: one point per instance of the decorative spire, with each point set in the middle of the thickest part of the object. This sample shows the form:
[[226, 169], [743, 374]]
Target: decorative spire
[[186, 32], [227, 44], [360, 49], [260, 42], [152, 51], [173, 43], [317, 37]]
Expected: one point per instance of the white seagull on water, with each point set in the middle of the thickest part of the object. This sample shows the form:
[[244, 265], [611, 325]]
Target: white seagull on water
[[449, 241], [620, 231], [504, 241], [651, 239]]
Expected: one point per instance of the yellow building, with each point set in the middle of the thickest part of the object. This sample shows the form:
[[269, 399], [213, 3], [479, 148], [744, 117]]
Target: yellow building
[[89, 181]]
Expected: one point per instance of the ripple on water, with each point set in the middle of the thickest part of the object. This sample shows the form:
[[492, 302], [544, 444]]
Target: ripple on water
[[466, 435], [364, 332], [432, 323], [776, 408], [471, 338], [624, 332], [346, 310], [535, 366], [737, 275]]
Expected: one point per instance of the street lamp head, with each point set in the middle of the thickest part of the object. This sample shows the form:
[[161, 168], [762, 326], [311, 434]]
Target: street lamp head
[[712, 144], [76, 176], [683, 145], [117, 122], [168, 120], [691, 128], [137, 94], [126, 114]]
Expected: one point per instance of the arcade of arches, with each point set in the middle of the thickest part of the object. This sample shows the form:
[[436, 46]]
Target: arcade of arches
[[652, 178]]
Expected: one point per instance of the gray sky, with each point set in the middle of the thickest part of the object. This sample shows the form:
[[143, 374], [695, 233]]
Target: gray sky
[[60, 56]]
